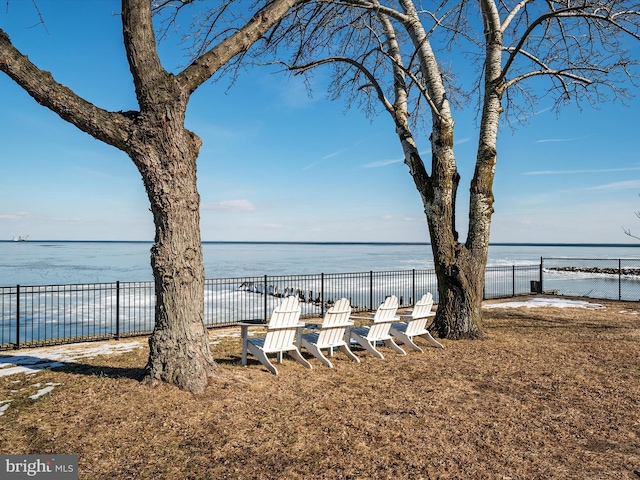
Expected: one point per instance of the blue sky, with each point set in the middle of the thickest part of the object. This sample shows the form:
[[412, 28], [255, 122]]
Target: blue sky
[[278, 165]]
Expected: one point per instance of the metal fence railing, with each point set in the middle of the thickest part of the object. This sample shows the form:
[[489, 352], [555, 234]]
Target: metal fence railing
[[53, 314], [613, 279], [505, 281], [46, 315]]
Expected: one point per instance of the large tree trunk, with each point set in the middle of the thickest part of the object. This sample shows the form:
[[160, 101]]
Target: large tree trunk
[[165, 153], [459, 267], [179, 347], [460, 286]]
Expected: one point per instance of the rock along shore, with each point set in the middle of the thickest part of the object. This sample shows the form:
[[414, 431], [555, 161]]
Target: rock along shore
[[608, 271]]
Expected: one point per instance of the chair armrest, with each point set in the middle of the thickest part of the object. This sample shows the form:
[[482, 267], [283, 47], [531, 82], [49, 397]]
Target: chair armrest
[[285, 327], [337, 325], [354, 317], [431, 314], [388, 320]]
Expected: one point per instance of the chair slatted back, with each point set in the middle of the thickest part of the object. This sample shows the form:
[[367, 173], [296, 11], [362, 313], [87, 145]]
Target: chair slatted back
[[335, 323], [385, 314], [285, 315], [420, 314]]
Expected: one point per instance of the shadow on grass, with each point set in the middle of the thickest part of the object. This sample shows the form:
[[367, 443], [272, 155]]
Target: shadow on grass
[[102, 371], [233, 360], [33, 364], [533, 320]]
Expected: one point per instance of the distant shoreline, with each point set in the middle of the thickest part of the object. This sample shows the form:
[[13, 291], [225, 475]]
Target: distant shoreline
[[249, 242]]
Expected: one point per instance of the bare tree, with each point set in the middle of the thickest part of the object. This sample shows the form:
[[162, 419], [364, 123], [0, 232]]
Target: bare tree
[[165, 153], [400, 55], [627, 231]]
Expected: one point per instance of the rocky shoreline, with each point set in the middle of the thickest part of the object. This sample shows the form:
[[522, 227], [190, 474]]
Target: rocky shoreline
[[606, 270]]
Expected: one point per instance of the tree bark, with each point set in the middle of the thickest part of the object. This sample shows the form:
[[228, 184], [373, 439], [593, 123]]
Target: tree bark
[[165, 154], [459, 268], [460, 286]]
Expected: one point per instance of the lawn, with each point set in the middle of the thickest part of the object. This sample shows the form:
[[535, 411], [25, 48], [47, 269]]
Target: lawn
[[548, 393]]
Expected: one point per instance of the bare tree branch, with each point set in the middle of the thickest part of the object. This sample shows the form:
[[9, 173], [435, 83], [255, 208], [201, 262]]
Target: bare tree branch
[[111, 128], [208, 63]]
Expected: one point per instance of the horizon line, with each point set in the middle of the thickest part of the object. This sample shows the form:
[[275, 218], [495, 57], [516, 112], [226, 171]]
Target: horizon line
[[303, 242]]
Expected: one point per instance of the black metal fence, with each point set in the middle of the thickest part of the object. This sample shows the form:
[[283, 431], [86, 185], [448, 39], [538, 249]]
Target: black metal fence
[[612, 278], [45, 315]]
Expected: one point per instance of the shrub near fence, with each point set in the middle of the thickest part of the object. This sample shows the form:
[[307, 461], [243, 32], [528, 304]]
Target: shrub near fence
[[46, 315]]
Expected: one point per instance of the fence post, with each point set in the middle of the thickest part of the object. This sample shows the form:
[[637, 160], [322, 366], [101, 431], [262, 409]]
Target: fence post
[[413, 287], [265, 298], [322, 295], [541, 267], [17, 316], [619, 279], [370, 289], [513, 280], [118, 310]]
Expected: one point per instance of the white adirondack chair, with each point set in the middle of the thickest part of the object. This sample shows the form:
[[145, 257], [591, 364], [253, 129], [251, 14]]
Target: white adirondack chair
[[331, 334], [415, 325], [378, 331], [280, 338]]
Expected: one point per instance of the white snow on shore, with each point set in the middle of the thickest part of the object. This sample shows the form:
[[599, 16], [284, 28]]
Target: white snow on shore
[[547, 302], [30, 361]]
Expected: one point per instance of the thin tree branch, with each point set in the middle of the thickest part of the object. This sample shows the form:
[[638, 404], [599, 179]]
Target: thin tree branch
[[205, 66], [299, 69]]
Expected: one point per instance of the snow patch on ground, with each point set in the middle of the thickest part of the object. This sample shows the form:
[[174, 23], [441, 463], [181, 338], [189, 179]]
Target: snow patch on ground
[[30, 361], [218, 336], [4, 404], [43, 391], [547, 302]]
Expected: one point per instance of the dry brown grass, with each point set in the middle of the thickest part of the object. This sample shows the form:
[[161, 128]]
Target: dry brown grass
[[549, 393]]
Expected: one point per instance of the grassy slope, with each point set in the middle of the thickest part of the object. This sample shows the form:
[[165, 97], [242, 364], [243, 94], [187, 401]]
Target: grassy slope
[[549, 393]]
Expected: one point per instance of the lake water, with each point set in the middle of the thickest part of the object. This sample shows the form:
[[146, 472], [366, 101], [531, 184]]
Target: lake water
[[54, 263], [52, 302]]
